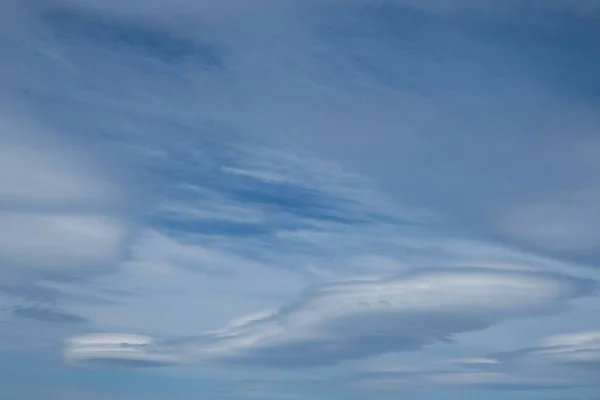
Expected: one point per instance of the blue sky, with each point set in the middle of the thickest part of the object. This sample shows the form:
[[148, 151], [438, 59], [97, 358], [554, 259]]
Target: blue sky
[[301, 200]]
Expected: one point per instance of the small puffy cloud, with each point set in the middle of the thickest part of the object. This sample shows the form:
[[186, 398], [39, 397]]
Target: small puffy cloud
[[117, 350], [347, 320]]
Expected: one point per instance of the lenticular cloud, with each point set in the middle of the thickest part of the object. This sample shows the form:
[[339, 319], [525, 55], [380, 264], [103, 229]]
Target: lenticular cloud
[[356, 319]]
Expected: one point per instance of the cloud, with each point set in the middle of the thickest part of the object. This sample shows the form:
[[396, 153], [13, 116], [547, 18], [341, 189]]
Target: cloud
[[61, 215], [348, 81], [166, 277], [254, 190], [50, 243], [350, 320], [471, 379], [117, 350], [579, 350], [39, 170], [421, 102], [356, 319], [559, 361], [563, 223], [61, 209]]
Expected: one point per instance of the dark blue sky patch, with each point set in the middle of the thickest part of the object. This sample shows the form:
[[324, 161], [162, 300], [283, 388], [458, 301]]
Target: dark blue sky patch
[[214, 227], [401, 47], [300, 201], [297, 201], [32, 292], [129, 36], [557, 49]]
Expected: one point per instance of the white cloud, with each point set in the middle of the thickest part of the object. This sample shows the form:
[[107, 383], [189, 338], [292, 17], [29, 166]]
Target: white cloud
[[464, 379], [475, 361], [579, 339], [59, 242], [117, 350], [180, 286], [571, 349], [336, 119], [60, 209], [562, 360], [155, 248], [448, 150], [38, 170], [566, 222], [356, 319]]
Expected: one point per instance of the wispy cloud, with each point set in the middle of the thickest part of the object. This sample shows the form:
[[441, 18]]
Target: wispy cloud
[[558, 362], [379, 176], [573, 350]]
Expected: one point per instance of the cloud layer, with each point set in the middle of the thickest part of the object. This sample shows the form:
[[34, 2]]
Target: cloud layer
[[559, 361], [579, 350], [356, 319], [345, 146]]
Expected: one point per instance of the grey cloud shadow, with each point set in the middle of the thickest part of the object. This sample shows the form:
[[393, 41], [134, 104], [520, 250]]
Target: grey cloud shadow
[[99, 362], [30, 290], [43, 314]]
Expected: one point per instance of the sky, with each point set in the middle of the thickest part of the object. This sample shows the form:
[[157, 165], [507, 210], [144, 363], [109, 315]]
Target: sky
[[299, 200]]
